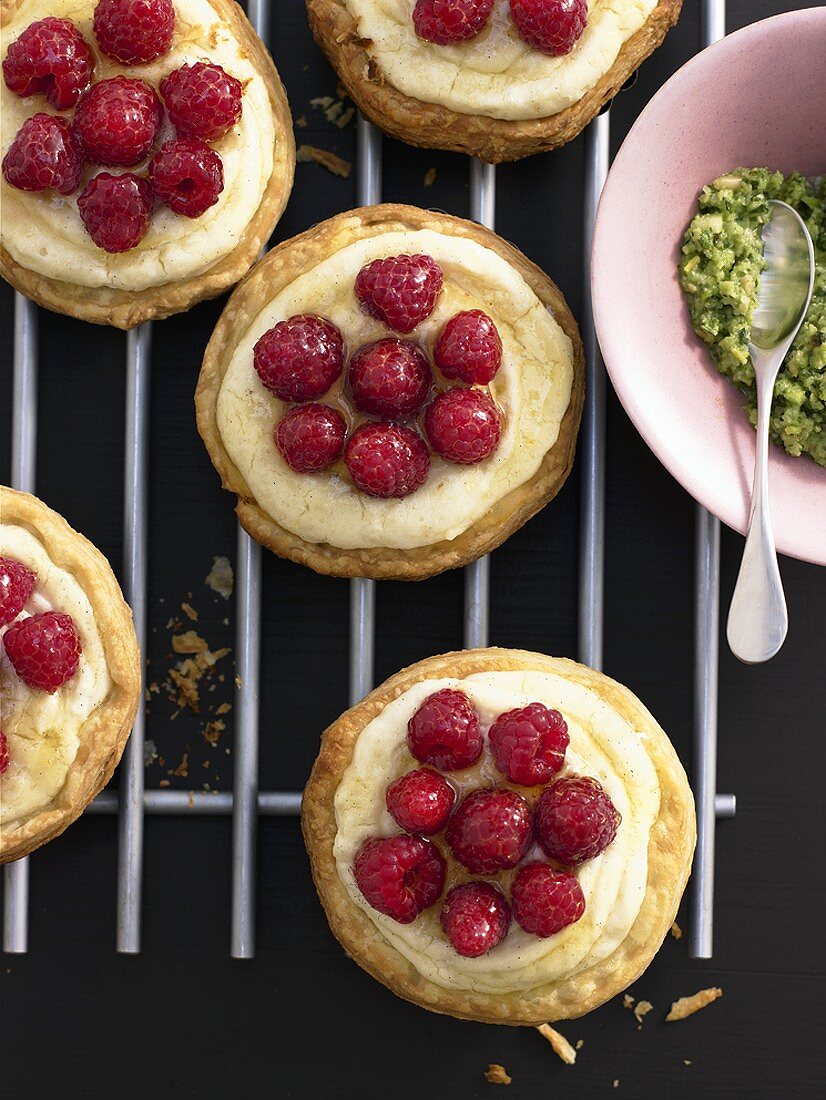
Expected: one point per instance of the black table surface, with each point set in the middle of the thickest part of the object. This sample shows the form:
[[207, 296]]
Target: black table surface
[[301, 1020]]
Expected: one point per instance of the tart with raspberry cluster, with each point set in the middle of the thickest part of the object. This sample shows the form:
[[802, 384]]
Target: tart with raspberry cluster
[[70, 673], [500, 835], [147, 153], [500, 79], [391, 394]]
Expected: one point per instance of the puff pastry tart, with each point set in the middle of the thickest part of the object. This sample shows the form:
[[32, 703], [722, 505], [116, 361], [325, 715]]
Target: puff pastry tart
[[391, 394], [147, 149], [500, 80], [500, 835], [70, 673]]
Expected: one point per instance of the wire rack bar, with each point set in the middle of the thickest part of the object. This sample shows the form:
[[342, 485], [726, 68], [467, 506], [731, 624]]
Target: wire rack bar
[[23, 471], [130, 831]]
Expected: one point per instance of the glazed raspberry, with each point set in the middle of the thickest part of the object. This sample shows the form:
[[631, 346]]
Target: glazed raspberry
[[310, 437], [475, 917], [552, 26], [4, 753], [117, 121], [187, 175], [420, 802], [401, 290], [300, 358], [390, 378], [445, 732], [116, 210], [544, 900], [490, 830], [202, 100], [387, 460], [51, 57], [134, 31], [16, 586], [400, 876], [528, 744], [469, 348], [575, 819], [446, 21], [44, 154], [463, 426], [44, 649]]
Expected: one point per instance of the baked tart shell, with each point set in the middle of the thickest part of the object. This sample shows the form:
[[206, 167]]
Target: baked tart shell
[[281, 266], [104, 733], [670, 851]]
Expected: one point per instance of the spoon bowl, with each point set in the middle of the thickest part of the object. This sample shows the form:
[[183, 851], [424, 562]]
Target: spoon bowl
[[786, 283]]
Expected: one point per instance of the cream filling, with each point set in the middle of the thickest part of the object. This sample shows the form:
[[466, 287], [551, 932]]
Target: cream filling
[[496, 73], [603, 744], [43, 231], [532, 387], [43, 731]]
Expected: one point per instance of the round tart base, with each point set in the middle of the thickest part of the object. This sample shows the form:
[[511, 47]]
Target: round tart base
[[104, 733], [282, 265], [671, 846], [123, 308], [433, 126]]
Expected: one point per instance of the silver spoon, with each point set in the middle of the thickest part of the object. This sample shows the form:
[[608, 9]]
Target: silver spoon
[[758, 619]]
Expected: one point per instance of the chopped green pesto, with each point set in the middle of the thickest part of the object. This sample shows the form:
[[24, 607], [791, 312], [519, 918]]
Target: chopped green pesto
[[720, 265]]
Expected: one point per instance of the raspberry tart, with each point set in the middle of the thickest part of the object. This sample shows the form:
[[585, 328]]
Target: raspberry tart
[[147, 153], [500, 835], [70, 673], [500, 80], [391, 394]]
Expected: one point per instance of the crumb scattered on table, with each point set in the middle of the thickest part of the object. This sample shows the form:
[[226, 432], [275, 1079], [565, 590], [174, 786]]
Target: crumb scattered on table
[[627, 1001], [189, 611], [331, 161], [220, 578], [560, 1044], [641, 1009], [676, 931], [579, 1044], [190, 641], [429, 177], [496, 1075], [687, 1006]]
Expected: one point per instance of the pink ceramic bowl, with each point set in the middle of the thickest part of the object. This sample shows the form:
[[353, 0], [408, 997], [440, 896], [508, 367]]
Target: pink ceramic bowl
[[757, 98]]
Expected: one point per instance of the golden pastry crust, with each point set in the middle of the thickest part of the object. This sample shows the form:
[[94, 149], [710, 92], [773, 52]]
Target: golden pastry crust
[[281, 266], [105, 732], [670, 850], [123, 308], [436, 127]]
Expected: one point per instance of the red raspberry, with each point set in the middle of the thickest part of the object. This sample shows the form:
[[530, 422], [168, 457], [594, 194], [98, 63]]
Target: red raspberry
[[187, 175], [575, 819], [16, 586], [300, 358], [50, 56], [401, 290], [490, 830], [445, 732], [420, 802], [4, 753], [44, 649], [134, 31], [387, 460], [469, 348], [310, 437], [463, 426], [44, 154], [475, 917], [202, 100], [529, 744], [544, 900], [447, 21], [552, 26], [116, 210], [400, 876], [390, 378], [117, 121]]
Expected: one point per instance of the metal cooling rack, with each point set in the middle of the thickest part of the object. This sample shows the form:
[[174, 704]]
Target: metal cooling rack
[[246, 802]]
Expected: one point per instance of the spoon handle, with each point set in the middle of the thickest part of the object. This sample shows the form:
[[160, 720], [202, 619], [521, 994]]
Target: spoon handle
[[758, 619]]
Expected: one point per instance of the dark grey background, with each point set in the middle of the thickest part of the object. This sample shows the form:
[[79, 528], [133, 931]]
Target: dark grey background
[[182, 1019]]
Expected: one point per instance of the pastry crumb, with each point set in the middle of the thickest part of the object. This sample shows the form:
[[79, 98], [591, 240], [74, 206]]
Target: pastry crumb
[[687, 1006], [560, 1044], [429, 177], [189, 611], [220, 578], [182, 769], [213, 731], [627, 1001], [164, 783], [301, 121], [150, 752], [331, 161], [579, 1044], [189, 642], [616, 1082], [497, 1075], [676, 931], [686, 1061], [641, 1009]]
